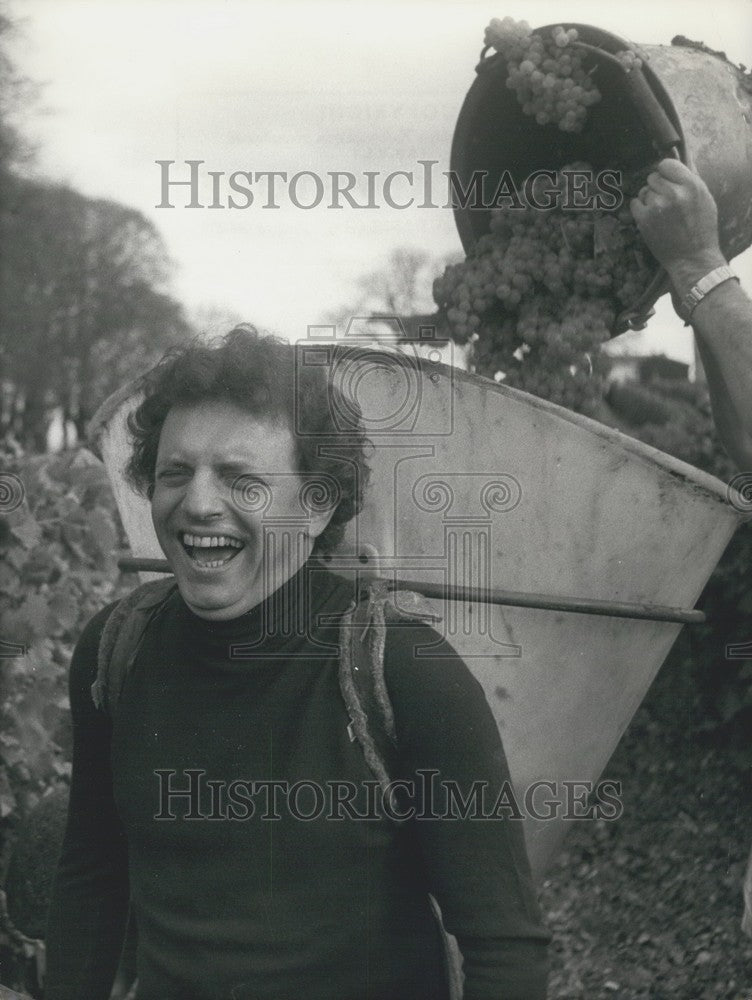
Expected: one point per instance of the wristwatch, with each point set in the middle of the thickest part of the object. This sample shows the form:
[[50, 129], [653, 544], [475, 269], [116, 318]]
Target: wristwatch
[[706, 284]]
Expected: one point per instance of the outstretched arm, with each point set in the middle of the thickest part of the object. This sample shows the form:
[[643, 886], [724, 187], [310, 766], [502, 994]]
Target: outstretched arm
[[677, 217]]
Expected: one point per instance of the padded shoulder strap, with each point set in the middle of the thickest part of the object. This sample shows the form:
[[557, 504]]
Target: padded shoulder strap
[[361, 681], [121, 638], [361, 670]]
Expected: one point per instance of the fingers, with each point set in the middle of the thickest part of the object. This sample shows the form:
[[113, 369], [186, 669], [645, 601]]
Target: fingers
[[675, 171], [659, 184], [671, 181], [657, 194], [675, 213]]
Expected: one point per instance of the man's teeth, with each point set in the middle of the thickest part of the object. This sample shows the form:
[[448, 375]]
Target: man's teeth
[[196, 546], [211, 541]]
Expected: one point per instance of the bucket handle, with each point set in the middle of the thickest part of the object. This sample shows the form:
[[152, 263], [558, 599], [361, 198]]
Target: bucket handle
[[666, 141], [663, 135]]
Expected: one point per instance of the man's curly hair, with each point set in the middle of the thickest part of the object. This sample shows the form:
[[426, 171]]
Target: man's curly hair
[[260, 374]]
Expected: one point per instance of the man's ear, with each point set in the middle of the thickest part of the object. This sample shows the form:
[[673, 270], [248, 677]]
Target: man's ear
[[319, 521]]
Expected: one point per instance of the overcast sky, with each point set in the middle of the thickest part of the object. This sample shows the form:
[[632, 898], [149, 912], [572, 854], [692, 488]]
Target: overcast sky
[[322, 87]]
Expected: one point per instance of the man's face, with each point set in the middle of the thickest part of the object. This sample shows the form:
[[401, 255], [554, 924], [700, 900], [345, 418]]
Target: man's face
[[217, 468]]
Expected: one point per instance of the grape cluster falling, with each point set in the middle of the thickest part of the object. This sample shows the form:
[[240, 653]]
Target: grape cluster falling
[[545, 72], [538, 294]]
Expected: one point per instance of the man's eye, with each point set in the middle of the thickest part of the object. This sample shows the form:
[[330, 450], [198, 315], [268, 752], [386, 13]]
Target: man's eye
[[171, 474]]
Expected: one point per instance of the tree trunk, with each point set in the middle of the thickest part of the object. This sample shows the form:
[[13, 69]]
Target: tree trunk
[[35, 421]]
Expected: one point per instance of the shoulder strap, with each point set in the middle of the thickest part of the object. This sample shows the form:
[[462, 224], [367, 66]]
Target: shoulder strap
[[121, 639], [361, 670], [361, 681]]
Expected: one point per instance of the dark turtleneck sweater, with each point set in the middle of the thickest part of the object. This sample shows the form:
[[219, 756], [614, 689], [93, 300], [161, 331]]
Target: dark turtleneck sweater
[[246, 890]]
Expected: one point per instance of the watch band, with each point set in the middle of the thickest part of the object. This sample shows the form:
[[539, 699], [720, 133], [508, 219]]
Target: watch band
[[706, 284]]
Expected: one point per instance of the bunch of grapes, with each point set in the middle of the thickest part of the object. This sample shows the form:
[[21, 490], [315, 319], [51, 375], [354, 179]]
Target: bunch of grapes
[[545, 72], [538, 294]]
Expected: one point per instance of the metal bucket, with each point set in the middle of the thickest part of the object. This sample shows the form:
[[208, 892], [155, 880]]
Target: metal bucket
[[477, 484], [685, 101]]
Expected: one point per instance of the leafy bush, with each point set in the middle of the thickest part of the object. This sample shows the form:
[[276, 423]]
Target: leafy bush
[[58, 566]]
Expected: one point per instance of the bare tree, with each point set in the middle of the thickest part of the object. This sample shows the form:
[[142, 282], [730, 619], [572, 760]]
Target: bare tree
[[401, 289], [16, 93], [85, 304]]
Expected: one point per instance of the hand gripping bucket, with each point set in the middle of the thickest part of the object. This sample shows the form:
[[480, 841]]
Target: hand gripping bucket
[[686, 101]]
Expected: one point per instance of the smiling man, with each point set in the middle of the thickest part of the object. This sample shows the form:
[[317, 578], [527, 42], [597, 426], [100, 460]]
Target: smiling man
[[182, 803], [213, 536]]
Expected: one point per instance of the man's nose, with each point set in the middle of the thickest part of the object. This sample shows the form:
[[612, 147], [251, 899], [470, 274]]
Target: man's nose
[[203, 496]]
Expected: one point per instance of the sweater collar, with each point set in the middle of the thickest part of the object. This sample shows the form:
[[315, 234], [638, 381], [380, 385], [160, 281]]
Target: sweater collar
[[312, 599]]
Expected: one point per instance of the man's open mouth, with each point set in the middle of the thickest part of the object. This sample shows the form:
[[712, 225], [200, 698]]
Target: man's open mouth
[[211, 551]]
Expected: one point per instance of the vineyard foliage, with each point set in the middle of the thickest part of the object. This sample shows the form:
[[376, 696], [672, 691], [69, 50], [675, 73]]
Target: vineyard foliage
[[58, 566]]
